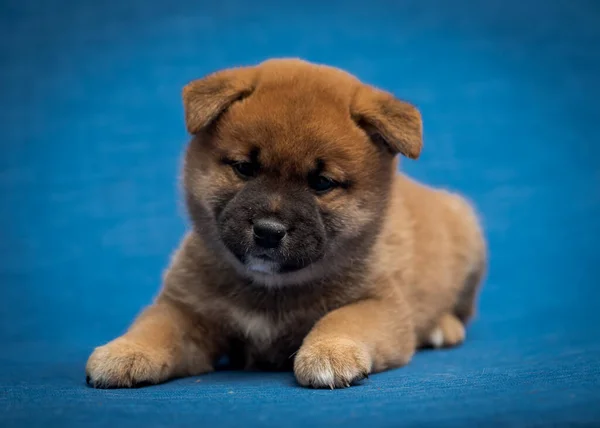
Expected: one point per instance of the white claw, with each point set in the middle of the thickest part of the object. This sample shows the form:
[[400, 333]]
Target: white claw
[[436, 338]]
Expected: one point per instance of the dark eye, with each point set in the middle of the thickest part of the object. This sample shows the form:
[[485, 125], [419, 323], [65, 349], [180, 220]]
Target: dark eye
[[245, 170], [321, 184]]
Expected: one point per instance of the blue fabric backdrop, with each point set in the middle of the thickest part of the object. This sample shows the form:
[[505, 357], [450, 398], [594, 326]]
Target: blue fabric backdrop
[[91, 136]]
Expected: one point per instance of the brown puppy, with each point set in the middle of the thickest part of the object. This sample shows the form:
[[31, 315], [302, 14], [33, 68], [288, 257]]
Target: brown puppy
[[308, 248]]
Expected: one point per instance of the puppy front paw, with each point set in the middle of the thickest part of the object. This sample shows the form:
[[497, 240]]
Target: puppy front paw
[[123, 363], [331, 363]]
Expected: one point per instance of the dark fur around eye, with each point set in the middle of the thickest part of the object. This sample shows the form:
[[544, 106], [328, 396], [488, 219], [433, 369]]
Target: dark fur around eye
[[321, 184], [245, 170]]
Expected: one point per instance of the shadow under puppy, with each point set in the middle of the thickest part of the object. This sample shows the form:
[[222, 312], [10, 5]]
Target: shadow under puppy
[[308, 248]]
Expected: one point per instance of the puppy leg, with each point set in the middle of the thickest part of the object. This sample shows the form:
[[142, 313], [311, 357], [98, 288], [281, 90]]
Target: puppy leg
[[449, 331], [163, 343], [466, 305], [450, 328], [353, 341]]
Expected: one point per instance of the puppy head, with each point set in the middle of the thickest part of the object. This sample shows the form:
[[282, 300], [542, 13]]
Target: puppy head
[[290, 166]]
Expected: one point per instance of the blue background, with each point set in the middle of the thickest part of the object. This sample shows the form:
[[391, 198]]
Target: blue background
[[91, 134]]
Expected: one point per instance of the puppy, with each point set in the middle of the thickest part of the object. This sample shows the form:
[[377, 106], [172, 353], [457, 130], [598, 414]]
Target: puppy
[[308, 249]]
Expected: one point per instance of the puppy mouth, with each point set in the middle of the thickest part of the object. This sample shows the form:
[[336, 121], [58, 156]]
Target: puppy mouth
[[262, 264], [266, 261], [266, 264]]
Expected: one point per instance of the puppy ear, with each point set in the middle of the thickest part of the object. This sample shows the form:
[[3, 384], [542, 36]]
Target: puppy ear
[[205, 99], [395, 123]]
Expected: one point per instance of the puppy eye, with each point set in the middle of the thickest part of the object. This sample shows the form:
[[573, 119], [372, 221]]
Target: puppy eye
[[321, 184], [245, 170]]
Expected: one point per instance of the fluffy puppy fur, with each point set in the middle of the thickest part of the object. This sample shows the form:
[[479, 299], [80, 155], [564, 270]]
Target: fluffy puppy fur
[[309, 250]]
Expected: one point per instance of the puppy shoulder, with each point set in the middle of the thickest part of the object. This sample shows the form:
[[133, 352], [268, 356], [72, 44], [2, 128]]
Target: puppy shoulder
[[186, 278]]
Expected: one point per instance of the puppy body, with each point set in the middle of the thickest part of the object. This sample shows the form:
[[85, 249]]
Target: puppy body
[[367, 271]]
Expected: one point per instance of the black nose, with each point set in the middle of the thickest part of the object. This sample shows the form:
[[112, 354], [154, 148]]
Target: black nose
[[268, 233]]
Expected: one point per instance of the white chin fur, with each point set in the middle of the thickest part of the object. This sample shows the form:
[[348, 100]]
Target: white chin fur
[[254, 264]]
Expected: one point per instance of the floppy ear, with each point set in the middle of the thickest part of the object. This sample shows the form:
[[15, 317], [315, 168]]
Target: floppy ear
[[395, 123], [205, 99]]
